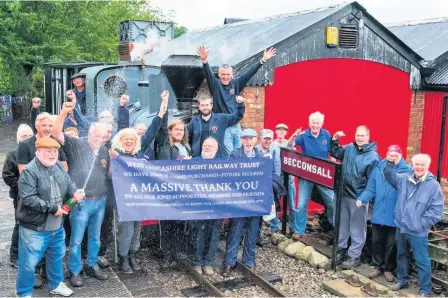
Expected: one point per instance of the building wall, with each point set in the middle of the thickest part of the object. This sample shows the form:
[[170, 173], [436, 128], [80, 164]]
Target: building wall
[[417, 101]]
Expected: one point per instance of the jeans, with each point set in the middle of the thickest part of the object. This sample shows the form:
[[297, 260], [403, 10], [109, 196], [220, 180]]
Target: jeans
[[207, 233], [384, 251], [305, 189], [250, 226], [32, 247], [419, 247], [129, 237], [90, 216], [293, 224], [353, 225], [232, 138]]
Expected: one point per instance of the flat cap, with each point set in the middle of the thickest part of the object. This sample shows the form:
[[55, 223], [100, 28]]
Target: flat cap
[[266, 133], [248, 132], [281, 125], [47, 143], [77, 75]]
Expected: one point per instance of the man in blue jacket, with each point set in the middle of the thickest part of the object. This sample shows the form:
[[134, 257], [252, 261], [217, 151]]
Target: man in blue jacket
[[358, 161], [384, 252], [226, 88], [419, 206], [208, 124]]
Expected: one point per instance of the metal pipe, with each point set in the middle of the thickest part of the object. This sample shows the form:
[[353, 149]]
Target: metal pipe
[[442, 139], [285, 202], [115, 238]]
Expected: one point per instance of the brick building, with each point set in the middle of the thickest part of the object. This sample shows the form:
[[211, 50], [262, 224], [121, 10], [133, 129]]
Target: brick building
[[338, 60]]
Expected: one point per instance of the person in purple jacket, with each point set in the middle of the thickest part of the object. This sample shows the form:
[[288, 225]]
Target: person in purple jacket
[[419, 206]]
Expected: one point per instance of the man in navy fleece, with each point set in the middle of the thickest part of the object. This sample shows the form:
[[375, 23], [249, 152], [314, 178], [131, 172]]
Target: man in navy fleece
[[225, 89]]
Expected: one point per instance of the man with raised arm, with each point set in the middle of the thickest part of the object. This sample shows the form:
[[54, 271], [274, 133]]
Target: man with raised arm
[[225, 89]]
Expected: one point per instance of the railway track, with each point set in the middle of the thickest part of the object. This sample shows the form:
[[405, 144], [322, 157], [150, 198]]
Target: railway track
[[250, 275]]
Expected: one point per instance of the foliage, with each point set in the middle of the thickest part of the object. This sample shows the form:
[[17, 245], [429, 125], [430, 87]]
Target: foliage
[[32, 33]]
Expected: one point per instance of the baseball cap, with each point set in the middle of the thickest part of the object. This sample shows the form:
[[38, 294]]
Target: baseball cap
[[281, 125], [394, 149], [248, 132], [77, 75], [267, 133]]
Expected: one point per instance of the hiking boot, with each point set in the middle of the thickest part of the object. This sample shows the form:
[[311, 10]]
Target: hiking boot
[[198, 269], [351, 263], [208, 270], [270, 232], [125, 267], [13, 263], [225, 270], [38, 282], [103, 262], [76, 280], [259, 242], [96, 272], [375, 273], [420, 294], [341, 256], [296, 237], [399, 286], [62, 290], [133, 261], [389, 276]]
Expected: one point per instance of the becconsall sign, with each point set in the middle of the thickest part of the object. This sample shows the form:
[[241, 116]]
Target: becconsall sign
[[317, 170]]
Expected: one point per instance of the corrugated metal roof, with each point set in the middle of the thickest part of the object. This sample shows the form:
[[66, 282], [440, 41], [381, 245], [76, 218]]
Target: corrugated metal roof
[[233, 20], [440, 76], [429, 38], [251, 36]]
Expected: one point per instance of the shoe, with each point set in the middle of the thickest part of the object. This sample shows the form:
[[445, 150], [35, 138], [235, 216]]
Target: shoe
[[351, 263], [399, 286], [341, 256], [103, 262], [389, 276], [96, 272], [208, 270], [14, 263], [420, 294], [375, 273], [76, 280], [259, 243], [125, 267], [37, 281], [165, 263], [62, 290], [225, 270], [198, 269], [270, 232], [133, 261], [296, 236]]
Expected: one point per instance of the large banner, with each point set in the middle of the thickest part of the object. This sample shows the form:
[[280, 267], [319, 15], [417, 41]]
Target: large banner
[[191, 189]]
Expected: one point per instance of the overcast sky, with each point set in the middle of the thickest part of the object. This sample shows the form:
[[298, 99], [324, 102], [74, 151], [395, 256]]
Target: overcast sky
[[195, 14]]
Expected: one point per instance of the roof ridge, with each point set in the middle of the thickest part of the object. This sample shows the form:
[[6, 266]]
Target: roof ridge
[[418, 22], [278, 16]]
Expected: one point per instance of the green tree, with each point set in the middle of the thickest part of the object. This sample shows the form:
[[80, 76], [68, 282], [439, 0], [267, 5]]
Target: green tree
[[32, 33], [179, 30]]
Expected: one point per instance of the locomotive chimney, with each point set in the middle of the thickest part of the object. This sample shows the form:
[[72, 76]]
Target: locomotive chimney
[[142, 35], [185, 74]]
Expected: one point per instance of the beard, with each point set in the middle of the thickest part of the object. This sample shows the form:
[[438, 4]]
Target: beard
[[206, 113]]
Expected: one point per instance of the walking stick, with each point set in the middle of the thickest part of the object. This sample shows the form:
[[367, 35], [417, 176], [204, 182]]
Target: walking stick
[[115, 238]]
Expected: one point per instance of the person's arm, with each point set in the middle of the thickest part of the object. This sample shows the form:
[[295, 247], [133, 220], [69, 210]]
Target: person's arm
[[123, 113], [154, 127], [190, 132], [390, 174], [8, 173], [162, 139], [434, 213], [244, 77], [34, 113], [370, 191], [212, 81], [372, 166], [58, 133], [23, 157], [29, 196], [336, 150], [277, 164], [236, 117]]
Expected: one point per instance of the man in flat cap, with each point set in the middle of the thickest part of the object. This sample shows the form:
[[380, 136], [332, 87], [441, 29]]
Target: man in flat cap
[[249, 226], [44, 185], [78, 80]]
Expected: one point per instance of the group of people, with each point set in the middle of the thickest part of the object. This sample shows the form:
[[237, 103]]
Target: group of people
[[68, 157]]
